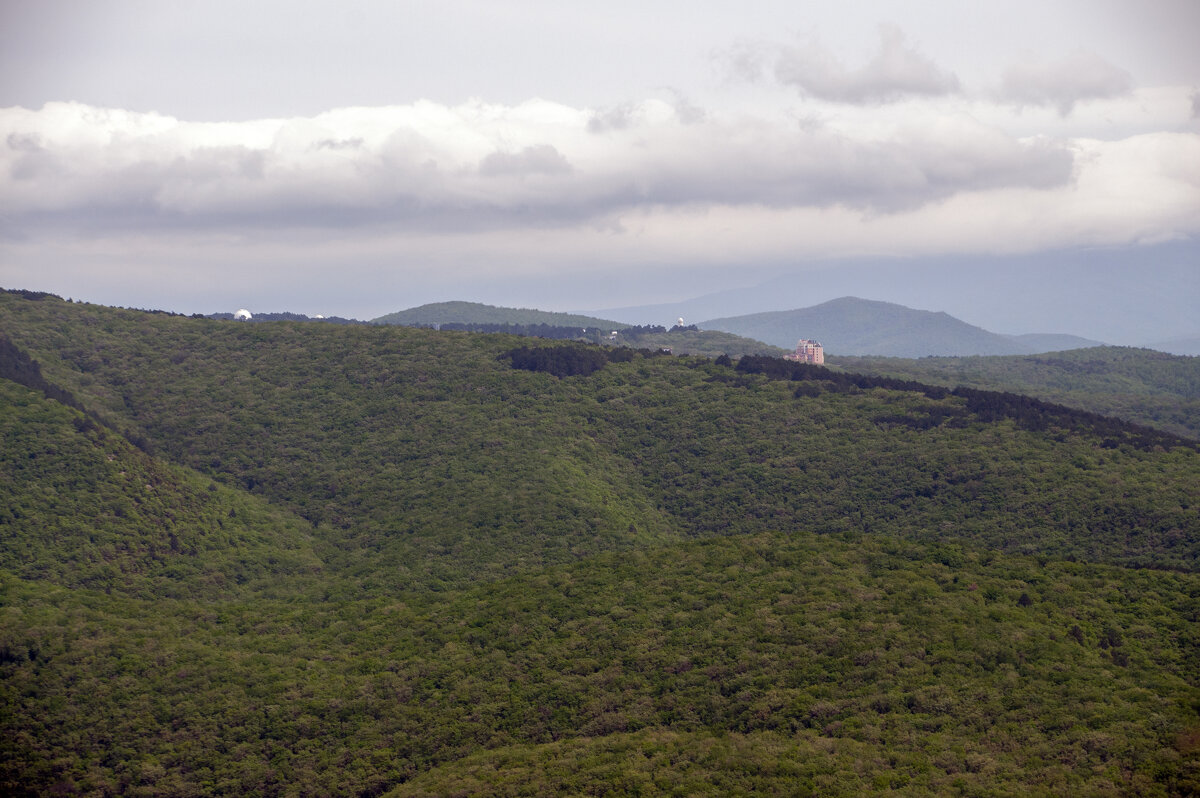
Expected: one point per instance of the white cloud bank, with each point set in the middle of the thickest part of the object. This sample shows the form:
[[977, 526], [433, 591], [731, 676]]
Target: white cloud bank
[[478, 166], [481, 165], [545, 188]]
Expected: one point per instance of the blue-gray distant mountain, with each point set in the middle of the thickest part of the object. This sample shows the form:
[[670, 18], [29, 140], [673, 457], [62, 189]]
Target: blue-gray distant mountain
[[1179, 346], [1133, 296], [852, 326], [1036, 343]]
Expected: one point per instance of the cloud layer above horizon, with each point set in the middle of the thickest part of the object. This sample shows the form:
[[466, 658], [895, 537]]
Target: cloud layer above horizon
[[801, 152], [541, 165]]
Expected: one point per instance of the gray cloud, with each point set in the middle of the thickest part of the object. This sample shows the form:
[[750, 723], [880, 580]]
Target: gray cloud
[[1196, 105], [896, 71], [822, 168], [435, 168], [539, 159], [1082, 75], [627, 115], [686, 111], [24, 142], [745, 61], [619, 117], [32, 161], [339, 144]]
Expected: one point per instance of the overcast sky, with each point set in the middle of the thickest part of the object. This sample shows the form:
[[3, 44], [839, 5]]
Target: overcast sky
[[362, 157]]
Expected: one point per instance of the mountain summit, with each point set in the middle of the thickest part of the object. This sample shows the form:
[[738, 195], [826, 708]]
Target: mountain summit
[[853, 326]]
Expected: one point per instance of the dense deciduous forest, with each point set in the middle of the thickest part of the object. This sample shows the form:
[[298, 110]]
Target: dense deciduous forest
[[1140, 385], [1029, 412], [371, 560]]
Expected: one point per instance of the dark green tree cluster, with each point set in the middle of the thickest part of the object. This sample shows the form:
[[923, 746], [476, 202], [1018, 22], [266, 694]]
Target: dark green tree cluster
[[33, 296], [561, 361], [572, 360], [637, 332], [19, 367], [988, 406], [778, 368]]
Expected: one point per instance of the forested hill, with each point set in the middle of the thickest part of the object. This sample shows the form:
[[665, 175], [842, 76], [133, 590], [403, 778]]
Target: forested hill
[[438, 313], [473, 317], [1139, 385], [286, 316], [368, 559]]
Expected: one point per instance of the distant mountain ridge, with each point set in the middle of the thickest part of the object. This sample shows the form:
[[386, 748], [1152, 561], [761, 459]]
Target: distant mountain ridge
[[1037, 343], [853, 326], [1131, 296], [1179, 346]]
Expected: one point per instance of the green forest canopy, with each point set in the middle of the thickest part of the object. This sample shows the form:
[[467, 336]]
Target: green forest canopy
[[369, 560], [1139, 385]]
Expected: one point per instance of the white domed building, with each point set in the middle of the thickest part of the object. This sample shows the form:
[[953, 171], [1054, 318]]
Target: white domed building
[[242, 315]]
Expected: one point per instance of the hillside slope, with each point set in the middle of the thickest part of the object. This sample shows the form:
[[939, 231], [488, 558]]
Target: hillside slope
[[659, 574], [81, 507], [705, 343], [1139, 385], [785, 663], [851, 326], [428, 450]]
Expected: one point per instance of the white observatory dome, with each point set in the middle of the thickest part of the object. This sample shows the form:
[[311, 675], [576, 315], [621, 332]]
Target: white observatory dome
[[242, 314]]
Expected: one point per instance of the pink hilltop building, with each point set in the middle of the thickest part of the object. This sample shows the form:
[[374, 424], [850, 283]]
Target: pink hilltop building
[[807, 352]]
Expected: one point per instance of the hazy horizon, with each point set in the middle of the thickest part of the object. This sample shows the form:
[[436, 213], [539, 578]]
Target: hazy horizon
[[356, 159]]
